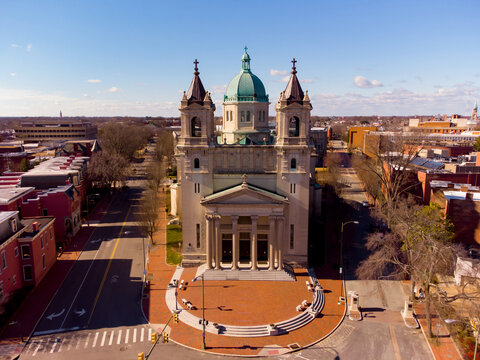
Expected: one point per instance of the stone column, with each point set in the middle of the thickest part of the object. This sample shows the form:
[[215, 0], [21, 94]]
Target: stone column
[[280, 242], [271, 244], [218, 243], [253, 250], [208, 240], [235, 242]]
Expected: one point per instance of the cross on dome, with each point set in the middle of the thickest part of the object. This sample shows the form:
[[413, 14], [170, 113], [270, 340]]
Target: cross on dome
[[246, 48]]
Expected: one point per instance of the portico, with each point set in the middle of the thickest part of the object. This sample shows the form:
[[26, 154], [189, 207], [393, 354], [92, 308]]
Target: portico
[[245, 229]]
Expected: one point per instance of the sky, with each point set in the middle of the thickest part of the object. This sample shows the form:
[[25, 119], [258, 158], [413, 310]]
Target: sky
[[135, 58]]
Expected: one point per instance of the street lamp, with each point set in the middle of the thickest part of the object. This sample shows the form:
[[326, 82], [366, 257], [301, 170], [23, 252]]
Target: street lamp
[[203, 308], [341, 241]]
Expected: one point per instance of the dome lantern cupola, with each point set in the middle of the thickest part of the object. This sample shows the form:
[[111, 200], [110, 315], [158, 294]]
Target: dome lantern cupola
[[246, 86]]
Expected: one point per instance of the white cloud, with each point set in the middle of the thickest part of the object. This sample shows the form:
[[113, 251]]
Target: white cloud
[[15, 45], [364, 83], [285, 78], [219, 89], [306, 81], [113, 89], [94, 81], [19, 102], [13, 74], [29, 47], [274, 72], [399, 101]]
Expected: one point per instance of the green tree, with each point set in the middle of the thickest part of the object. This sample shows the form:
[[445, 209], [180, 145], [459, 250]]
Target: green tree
[[476, 146], [25, 165]]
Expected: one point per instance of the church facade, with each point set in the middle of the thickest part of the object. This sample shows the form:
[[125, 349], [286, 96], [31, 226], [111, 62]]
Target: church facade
[[244, 193]]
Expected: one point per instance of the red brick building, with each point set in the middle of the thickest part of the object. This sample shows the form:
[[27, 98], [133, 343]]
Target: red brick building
[[27, 251], [62, 202]]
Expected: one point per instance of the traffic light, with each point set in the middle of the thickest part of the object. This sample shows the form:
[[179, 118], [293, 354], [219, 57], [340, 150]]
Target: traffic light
[[175, 318], [154, 337], [141, 356], [165, 337]]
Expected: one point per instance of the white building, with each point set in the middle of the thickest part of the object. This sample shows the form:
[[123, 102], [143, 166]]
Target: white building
[[244, 195]]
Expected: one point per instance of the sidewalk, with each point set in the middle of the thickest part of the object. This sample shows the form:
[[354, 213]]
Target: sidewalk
[[441, 346], [240, 303], [36, 302]]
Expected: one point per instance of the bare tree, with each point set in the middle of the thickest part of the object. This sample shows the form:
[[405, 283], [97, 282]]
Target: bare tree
[[156, 172], [123, 139], [419, 250], [390, 162], [108, 169], [165, 148], [148, 214]]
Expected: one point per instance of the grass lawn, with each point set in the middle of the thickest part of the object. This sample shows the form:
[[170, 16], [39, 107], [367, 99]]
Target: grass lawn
[[174, 236]]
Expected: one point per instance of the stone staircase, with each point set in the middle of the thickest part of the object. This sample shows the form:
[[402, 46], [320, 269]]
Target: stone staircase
[[250, 275], [249, 331]]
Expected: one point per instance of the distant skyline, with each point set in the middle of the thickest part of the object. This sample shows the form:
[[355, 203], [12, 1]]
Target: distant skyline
[[115, 57]]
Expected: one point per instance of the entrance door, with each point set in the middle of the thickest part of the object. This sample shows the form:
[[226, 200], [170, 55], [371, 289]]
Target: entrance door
[[262, 248], [244, 255], [227, 248]]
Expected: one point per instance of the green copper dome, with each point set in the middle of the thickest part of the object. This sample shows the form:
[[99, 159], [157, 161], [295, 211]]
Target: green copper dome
[[245, 86]]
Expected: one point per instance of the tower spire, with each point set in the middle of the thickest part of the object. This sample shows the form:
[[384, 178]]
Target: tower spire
[[293, 91], [196, 92]]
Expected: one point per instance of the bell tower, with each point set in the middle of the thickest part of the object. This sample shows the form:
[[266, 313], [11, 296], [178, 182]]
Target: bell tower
[[197, 114], [293, 113]]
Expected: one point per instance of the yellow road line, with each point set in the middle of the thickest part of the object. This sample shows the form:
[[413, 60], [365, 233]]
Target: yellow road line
[[396, 349], [108, 267]]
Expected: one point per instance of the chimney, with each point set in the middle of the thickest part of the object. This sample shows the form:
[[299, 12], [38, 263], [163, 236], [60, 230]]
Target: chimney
[[464, 188], [35, 226]]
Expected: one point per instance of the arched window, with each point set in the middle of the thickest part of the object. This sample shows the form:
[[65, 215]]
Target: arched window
[[259, 116], [196, 163], [242, 116], [196, 127], [248, 116], [294, 127], [293, 163]]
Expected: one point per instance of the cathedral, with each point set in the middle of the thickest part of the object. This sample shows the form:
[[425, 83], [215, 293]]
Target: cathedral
[[245, 191]]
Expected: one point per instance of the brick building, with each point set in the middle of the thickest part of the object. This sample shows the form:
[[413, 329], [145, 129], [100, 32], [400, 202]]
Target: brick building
[[27, 251]]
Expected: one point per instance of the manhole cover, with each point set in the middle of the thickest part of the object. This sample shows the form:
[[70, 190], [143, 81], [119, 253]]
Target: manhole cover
[[294, 346]]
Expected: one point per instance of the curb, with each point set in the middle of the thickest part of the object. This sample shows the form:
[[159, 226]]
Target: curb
[[60, 285]]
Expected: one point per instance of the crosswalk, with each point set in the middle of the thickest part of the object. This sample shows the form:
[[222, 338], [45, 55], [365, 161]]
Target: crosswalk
[[81, 340]]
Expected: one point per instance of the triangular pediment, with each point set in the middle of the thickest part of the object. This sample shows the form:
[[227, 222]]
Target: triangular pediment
[[244, 194]]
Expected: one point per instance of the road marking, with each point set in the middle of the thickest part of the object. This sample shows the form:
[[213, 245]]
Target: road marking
[[53, 347], [108, 267], [95, 340], [103, 338], [38, 347], [79, 288], [61, 344], [111, 338], [396, 349], [78, 342], [127, 333], [70, 343], [119, 336], [149, 334], [141, 334], [86, 342], [134, 335]]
